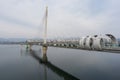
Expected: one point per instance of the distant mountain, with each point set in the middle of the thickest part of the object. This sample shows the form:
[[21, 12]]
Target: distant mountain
[[16, 39], [12, 39]]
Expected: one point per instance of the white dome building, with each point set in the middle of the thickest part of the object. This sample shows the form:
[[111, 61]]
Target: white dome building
[[98, 42]]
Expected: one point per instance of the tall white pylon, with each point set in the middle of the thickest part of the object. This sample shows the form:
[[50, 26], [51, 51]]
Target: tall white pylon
[[45, 32]]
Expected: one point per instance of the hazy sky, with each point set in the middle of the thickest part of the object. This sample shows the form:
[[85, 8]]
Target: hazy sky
[[74, 18]]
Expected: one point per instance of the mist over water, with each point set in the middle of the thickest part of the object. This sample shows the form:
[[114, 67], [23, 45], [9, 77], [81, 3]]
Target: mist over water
[[17, 63]]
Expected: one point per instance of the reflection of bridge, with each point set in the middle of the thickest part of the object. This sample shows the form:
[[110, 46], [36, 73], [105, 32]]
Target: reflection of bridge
[[51, 66]]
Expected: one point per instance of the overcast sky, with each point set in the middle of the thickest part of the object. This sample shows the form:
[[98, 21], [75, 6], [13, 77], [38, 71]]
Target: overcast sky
[[66, 18]]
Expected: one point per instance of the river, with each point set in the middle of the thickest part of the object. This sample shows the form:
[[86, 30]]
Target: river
[[17, 63]]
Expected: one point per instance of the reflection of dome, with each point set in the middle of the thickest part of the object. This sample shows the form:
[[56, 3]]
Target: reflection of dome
[[97, 41]]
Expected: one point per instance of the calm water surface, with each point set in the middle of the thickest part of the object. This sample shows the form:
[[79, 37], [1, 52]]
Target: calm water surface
[[17, 63]]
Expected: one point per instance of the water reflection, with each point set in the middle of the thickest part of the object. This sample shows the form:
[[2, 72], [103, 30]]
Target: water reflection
[[44, 61]]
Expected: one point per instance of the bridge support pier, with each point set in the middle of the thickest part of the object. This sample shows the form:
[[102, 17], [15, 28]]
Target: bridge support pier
[[28, 46], [44, 53]]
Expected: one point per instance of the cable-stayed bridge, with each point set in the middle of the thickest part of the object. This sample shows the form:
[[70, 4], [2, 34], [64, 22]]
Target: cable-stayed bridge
[[105, 42]]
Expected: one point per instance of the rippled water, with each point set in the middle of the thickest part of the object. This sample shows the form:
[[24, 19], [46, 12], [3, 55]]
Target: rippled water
[[17, 63]]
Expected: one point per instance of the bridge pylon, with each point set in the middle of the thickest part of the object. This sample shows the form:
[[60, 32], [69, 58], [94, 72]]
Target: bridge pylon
[[44, 45]]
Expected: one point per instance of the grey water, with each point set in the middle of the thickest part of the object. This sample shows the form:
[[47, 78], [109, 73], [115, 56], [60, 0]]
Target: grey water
[[17, 63]]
